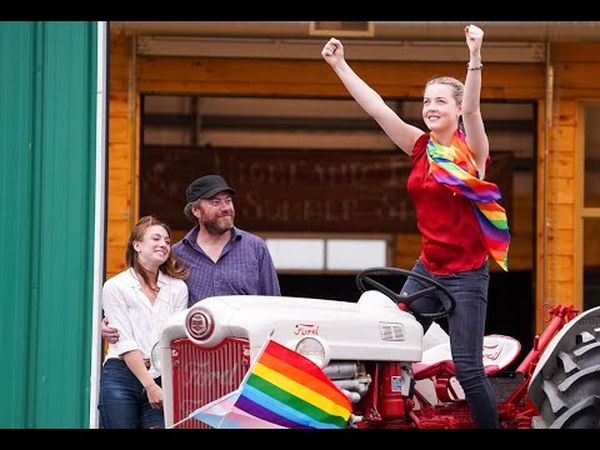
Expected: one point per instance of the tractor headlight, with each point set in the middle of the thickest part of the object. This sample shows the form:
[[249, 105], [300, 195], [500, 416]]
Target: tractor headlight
[[314, 349], [155, 357]]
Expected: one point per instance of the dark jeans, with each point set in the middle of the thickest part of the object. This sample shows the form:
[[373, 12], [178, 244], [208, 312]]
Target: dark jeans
[[123, 400], [466, 329]]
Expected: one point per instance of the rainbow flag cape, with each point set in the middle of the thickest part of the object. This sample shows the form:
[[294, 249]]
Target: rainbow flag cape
[[282, 389], [455, 168]]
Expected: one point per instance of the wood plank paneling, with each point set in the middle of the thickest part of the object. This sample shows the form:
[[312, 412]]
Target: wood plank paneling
[[564, 218], [565, 140], [310, 78], [563, 241], [565, 163], [564, 292], [567, 113], [576, 52], [121, 154], [120, 130], [560, 268], [578, 76], [119, 104], [563, 189], [563, 267]]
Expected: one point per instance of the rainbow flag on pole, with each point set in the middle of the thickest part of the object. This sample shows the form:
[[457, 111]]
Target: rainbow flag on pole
[[282, 389]]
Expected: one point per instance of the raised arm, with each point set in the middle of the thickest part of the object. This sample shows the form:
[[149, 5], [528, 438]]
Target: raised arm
[[401, 133], [477, 139]]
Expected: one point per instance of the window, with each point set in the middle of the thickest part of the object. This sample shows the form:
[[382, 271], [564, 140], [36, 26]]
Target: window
[[591, 209], [328, 254]]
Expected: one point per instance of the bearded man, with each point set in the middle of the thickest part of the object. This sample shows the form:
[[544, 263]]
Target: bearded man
[[221, 258]]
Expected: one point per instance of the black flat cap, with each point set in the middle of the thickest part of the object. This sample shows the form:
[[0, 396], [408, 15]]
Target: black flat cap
[[206, 187]]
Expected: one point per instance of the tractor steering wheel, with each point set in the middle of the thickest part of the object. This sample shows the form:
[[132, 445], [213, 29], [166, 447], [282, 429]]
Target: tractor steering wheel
[[363, 278]]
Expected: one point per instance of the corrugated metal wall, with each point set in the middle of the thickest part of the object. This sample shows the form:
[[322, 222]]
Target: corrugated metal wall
[[47, 153]]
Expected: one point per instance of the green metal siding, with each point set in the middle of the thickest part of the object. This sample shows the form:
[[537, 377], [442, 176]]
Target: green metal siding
[[47, 155]]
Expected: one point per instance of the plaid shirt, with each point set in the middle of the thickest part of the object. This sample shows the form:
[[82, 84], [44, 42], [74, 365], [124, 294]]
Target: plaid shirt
[[245, 267]]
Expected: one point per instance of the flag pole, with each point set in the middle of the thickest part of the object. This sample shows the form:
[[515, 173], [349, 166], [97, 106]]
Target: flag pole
[[181, 421]]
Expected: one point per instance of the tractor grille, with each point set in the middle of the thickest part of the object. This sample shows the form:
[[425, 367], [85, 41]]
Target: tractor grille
[[201, 375]]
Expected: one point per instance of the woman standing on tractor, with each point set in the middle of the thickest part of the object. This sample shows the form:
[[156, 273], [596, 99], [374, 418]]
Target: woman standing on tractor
[[457, 213]]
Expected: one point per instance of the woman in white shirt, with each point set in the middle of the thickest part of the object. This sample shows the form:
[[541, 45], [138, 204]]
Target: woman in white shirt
[[138, 301]]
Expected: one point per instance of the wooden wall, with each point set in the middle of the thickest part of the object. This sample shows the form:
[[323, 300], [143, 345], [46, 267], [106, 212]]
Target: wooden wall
[[576, 79], [577, 71], [121, 152]]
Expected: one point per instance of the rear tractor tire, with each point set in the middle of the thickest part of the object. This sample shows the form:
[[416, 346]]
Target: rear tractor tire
[[570, 386]]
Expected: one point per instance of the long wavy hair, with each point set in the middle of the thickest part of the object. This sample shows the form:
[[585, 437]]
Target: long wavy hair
[[170, 266]]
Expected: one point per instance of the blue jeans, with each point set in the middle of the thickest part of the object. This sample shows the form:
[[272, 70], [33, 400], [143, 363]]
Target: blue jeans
[[466, 330], [123, 400]]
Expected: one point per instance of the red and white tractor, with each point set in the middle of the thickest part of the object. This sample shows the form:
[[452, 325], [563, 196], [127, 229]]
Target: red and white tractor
[[374, 350]]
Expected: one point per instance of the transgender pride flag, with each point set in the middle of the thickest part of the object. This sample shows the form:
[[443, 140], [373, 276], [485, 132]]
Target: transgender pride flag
[[222, 413], [283, 389]]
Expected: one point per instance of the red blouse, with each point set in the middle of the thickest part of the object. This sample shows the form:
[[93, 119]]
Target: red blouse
[[451, 239]]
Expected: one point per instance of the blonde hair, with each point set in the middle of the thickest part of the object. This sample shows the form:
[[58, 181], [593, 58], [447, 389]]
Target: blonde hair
[[458, 88]]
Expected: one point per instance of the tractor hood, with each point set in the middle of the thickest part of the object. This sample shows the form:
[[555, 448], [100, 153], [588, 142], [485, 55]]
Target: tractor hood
[[372, 329]]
